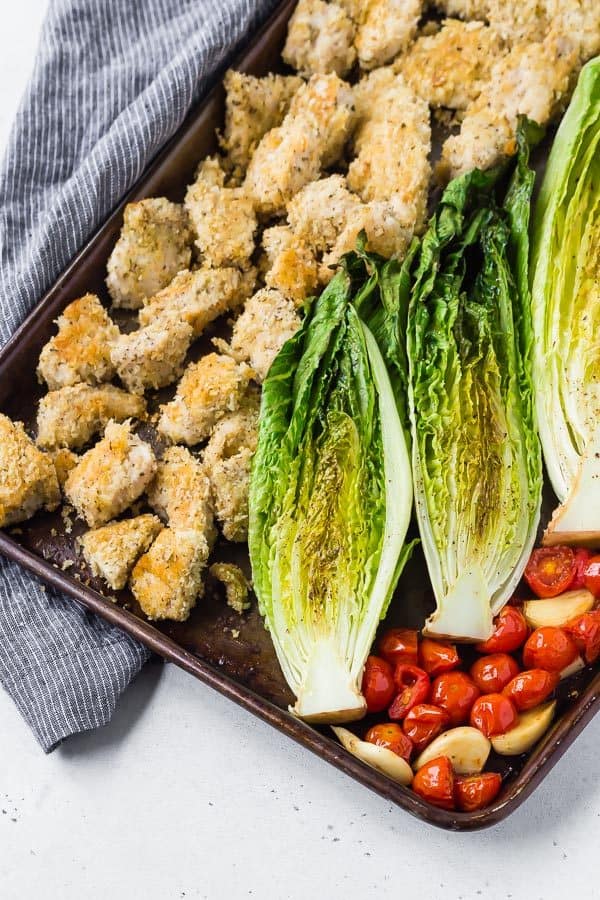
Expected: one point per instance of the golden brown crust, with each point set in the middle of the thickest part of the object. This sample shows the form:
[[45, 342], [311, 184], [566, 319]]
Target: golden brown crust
[[28, 479], [71, 416], [112, 550], [167, 580]]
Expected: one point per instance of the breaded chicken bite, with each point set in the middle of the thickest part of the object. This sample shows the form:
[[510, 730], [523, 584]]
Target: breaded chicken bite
[[222, 218], [252, 107], [449, 68], [112, 550], [180, 493], [167, 580], [81, 349], [320, 211], [28, 479], [384, 223], [153, 356], [320, 39], [531, 80], [227, 461], [110, 476], [210, 388], [384, 28], [64, 460], [311, 137], [71, 416], [291, 265], [199, 297], [392, 145], [154, 245], [266, 323]]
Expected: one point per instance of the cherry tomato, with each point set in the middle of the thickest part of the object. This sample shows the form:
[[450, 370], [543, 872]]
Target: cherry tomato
[[423, 723], [585, 631], [510, 632], [378, 686], [435, 782], [456, 693], [582, 557], [550, 570], [399, 645], [476, 791], [413, 685], [437, 656], [492, 673], [591, 576], [493, 714], [530, 688], [549, 648], [390, 736]]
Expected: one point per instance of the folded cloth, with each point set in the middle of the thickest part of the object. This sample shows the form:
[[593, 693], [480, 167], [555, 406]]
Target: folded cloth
[[112, 82]]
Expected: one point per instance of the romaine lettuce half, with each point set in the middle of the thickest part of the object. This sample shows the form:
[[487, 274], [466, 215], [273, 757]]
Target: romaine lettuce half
[[566, 305], [475, 450], [330, 500]]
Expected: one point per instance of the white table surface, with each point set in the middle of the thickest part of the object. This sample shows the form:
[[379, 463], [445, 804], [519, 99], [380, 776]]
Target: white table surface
[[185, 795]]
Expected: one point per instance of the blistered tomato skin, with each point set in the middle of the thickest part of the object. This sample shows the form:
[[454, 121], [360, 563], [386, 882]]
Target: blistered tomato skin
[[530, 688], [399, 645], [585, 631], [391, 736], [582, 557], [455, 693], [493, 714], [550, 571], [423, 723], [492, 673], [549, 648], [413, 686], [591, 577], [437, 657], [378, 687], [435, 782], [473, 792], [510, 632]]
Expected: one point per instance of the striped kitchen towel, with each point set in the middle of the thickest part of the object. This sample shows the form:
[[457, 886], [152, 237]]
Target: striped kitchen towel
[[112, 82]]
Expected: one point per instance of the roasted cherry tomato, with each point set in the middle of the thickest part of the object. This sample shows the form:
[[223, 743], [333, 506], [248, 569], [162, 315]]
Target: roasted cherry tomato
[[550, 570], [474, 792], [493, 714], [456, 693], [423, 723], [510, 632], [435, 782], [582, 557], [413, 685], [399, 645], [591, 576], [585, 631], [378, 686], [437, 657], [390, 736], [492, 673], [549, 648], [530, 688]]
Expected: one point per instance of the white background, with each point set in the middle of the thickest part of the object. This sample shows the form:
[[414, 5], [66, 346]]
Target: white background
[[185, 795]]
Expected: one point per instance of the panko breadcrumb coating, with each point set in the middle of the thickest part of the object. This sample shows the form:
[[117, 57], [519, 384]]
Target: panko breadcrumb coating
[[81, 349], [71, 416], [532, 80], [64, 460], [311, 137], [383, 221], [154, 245], [180, 493], [320, 39], [320, 211], [200, 296], [110, 476], [208, 390], [449, 68], [227, 460], [236, 585], [252, 107], [266, 323], [152, 356], [28, 479], [291, 265], [222, 218], [167, 580], [112, 550], [384, 28], [392, 145]]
